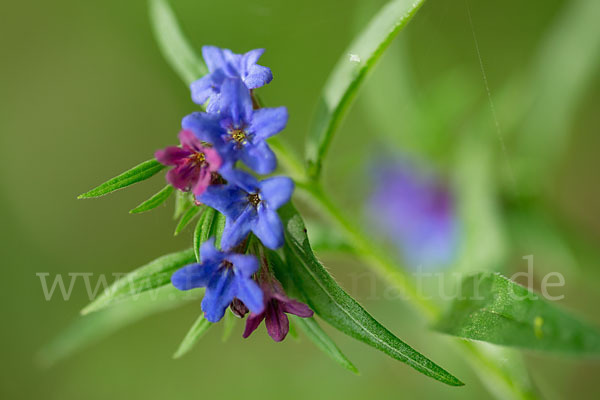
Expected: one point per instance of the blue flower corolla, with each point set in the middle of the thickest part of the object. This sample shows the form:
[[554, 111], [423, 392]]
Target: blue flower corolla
[[417, 212], [223, 64], [239, 132], [225, 276], [250, 206]]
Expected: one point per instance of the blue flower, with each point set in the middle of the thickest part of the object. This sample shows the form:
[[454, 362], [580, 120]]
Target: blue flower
[[249, 205], [222, 64], [225, 276], [238, 132], [417, 212]]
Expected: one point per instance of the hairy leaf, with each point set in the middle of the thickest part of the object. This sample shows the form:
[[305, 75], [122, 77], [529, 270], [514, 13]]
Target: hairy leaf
[[350, 71], [96, 326], [494, 309], [154, 201], [153, 275], [317, 335], [204, 229], [335, 306], [173, 44], [140, 172], [194, 334], [308, 325], [187, 217]]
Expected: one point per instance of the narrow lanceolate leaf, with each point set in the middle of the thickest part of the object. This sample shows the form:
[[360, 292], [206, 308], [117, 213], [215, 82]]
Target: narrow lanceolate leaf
[[350, 71], [154, 201], [203, 230], [140, 172], [308, 325], [318, 336], [173, 44], [182, 203], [150, 276], [494, 309], [96, 326], [194, 334], [334, 305], [187, 217]]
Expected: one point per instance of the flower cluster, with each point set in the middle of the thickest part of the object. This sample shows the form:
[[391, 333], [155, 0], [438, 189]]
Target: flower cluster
[[234, 128]]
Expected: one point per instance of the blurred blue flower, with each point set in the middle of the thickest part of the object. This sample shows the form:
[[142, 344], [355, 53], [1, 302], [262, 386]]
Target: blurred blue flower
[[417, 212], [226, 276], [238, 132], [249, 205], [222, 64]]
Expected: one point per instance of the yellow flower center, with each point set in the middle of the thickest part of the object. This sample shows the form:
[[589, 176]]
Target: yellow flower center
[[238, 135]]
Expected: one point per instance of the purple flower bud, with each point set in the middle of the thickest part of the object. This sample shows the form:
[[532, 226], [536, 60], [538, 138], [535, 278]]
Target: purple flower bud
[[276, 305]]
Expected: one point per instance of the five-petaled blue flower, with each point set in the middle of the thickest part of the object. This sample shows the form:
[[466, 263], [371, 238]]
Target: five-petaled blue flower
[[226, 276], [222, 64], [249, 205], [238, 132]]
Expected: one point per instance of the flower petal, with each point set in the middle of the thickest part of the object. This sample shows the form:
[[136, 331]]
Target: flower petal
[[268, 228], [266, 122], [276, 191], [276, 321], [213, 57], [202, 183], [236, 229], [245, 265], [202, 89], [240, 178], [172, 155], [209, 253], [213, 159], [194, 276], [236, 102], [295, 307], [205, 126], [257, 76], [252, 323], [249, 292], [219, 293], [229, 200], [183, 176], [259, 157]]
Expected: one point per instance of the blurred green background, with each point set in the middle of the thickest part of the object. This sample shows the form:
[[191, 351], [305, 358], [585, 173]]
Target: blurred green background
[[86, 94]]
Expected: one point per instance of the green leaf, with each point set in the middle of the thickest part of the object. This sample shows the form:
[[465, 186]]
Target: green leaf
[[173, 44], [324, 238], [218, 228], [494, 309], [182, 203], [140, 172], [203, 230], [153, 275], [317, 335], [154, 201], [96, 326], [308, 325], [187, 217], [194, 334], [345, 79], [335, 306]]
